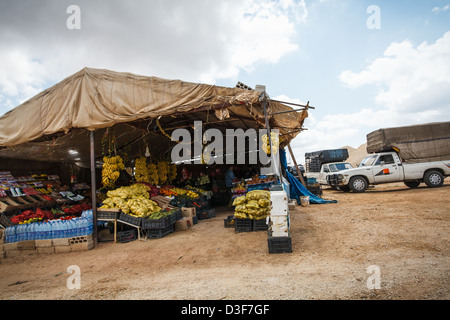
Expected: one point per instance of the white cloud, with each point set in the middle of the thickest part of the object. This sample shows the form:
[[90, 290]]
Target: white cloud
[[413, 87], [196, 40], [438, 9], [410, 79]]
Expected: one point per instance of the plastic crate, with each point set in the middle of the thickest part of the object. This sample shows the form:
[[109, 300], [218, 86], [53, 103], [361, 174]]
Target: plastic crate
[[243, 225], [130, 219], [157, 223], [126, 236], [4, 221], [260, 225], [159, 233], [206, 214], [195, 219], [229, 222], [108, 215], [279, 244]]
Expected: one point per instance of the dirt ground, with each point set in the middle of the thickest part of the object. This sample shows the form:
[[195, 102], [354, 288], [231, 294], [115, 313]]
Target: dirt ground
[[402, 231]]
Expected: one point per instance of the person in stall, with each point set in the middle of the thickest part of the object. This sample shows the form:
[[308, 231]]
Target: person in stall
[[229, 177]]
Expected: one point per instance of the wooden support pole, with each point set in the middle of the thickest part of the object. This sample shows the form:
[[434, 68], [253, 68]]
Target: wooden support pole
[[93, 186], [296, 166]]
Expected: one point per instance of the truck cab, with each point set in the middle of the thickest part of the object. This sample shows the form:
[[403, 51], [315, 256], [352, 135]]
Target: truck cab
[[327, 168]]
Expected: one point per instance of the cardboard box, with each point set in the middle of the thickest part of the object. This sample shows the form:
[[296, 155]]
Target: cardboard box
[[188, 212], [184, 224]]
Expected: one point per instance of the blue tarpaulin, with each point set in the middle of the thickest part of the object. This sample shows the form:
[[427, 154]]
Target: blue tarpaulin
[[297, 189]]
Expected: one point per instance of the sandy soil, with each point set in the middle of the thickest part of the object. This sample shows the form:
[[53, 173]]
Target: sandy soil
[[405, 232]]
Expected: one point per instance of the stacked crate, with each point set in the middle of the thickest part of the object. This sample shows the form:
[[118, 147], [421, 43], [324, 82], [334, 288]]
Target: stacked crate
[[279, 236]]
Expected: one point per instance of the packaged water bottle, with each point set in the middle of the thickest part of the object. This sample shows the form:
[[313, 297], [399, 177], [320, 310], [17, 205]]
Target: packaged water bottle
[[14, 234], [6, 234], [63, 229], [57, 227], [42, 235], [9, 234], [31, 232], [51, 230], [20, 232], [69, 228], [90, 227], [37, 230]]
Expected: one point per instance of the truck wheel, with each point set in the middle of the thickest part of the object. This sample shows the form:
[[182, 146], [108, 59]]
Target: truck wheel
[[358, 184], [412, 184], [433, 179]]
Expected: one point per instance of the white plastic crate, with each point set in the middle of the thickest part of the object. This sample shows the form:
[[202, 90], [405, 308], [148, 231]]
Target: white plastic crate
[[279, 205]]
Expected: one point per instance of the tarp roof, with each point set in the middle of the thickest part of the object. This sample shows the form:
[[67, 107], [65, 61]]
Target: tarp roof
[[94, 99]]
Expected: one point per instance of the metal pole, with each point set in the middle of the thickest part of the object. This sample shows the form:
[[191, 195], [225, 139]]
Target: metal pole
[[268, 135], [93, 186]]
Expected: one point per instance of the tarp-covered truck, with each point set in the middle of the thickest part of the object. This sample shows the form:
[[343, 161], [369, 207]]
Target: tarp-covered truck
[[320, 163], [411, 154]]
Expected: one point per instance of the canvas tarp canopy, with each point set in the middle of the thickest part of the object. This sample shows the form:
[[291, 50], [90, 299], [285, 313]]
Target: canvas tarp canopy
[[416, 143], [58, 119]]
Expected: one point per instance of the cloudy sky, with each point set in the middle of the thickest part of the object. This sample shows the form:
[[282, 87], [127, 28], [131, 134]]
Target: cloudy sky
[[362, 67]]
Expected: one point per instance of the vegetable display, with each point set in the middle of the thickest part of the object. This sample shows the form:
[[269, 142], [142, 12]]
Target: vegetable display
[[133, 200], [254, 205]]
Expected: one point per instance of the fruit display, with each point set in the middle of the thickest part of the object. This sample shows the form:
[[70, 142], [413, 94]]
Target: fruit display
[[256, 179], [141, 172], [203, 179], [152, 174], [161, 214], [254, 205], [133, 200], [76, 208], [178, 192], [196, 190], [30, 216], [239, 189], [111, 170]]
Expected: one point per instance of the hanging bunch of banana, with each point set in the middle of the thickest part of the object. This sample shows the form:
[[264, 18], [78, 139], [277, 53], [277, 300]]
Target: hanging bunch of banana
[[275, 143], [111, 170], [172, 172], [141, 172], [152, 174], [162, 172]]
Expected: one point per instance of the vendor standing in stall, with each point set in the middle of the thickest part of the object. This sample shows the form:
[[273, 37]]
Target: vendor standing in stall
[[229, 177]]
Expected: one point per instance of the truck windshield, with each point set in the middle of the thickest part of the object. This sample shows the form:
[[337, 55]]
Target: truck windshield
[[368, 161], [339, 166]]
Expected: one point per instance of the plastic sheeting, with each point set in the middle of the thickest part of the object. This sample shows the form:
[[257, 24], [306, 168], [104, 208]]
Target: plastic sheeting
[[296, 188]]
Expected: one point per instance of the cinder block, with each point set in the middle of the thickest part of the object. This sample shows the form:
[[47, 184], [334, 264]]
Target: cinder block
[[44, 243], [81, 239], [82, 246], [61, 242], [10, 246], [45, 250], [63, 249], [15, 253], [26, 245]]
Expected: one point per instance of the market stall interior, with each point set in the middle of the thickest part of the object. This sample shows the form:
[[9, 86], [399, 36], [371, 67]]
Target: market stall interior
[[114, 129]]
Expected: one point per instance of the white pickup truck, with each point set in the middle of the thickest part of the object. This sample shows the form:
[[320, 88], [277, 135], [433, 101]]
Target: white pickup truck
[[386, 167], [327, 168]]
